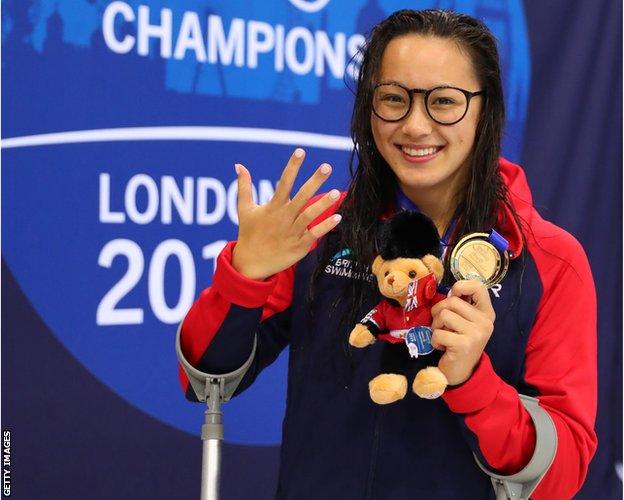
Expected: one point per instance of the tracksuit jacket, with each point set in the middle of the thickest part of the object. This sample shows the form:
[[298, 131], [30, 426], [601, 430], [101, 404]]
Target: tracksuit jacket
[[338, 444]]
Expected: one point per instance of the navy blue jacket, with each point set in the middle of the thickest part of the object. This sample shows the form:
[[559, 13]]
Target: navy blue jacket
[[337, 443]]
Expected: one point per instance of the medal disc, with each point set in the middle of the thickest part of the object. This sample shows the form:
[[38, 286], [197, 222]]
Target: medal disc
[[474, 257]]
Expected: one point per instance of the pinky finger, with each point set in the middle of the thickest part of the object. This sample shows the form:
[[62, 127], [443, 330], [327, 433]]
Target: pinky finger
[[322, 228]]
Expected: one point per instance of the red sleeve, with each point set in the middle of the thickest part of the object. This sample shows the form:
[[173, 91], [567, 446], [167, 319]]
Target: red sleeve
[[236, 308], [229, 288], [560, 362]]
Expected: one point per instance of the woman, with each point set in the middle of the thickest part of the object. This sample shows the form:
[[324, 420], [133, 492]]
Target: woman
[[416, 145]]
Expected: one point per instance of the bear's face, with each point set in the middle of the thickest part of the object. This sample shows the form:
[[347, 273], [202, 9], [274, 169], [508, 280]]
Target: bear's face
[[393, 276]]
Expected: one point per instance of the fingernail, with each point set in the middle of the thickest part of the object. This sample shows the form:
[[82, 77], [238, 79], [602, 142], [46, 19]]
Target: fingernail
[[299, 152], [325, 169], [334, 194], [337, 218], [237, 168]]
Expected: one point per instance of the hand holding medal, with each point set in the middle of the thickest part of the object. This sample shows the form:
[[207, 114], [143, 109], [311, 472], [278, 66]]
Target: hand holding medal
[[463, 322], [462, 325]]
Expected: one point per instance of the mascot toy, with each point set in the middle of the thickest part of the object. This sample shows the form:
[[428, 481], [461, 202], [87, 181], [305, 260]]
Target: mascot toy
[[408, 270]]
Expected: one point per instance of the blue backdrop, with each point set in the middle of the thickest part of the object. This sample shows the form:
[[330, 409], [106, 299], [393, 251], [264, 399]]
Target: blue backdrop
[[121, 123]]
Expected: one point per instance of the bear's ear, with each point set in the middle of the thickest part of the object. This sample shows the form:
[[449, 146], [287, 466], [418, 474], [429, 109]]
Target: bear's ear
[[435, 266], [377, 263]]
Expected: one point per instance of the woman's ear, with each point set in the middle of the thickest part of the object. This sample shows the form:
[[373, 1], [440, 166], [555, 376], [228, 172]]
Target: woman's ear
[[377, 263], [434, 265]]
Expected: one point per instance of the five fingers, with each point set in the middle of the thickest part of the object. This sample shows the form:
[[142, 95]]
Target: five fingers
[[302, 215]]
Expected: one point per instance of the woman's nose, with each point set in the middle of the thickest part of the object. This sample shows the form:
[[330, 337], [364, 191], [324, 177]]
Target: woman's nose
[[417, 122]]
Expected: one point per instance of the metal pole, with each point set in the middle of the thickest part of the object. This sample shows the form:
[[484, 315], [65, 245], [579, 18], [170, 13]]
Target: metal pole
[[212, 435]]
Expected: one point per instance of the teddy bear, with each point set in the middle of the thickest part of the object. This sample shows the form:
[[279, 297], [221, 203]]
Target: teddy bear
[[408, 270]]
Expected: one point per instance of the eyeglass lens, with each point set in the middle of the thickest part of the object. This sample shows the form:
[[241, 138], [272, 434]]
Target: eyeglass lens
[[445, 105]]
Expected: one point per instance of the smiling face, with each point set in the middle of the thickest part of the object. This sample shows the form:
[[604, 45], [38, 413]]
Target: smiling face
[[429, 160]]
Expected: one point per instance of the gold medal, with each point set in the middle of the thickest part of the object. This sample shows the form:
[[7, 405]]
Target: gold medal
[[476, 257]]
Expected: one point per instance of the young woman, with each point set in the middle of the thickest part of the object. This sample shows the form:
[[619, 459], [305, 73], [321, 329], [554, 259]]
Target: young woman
[[427, 129]]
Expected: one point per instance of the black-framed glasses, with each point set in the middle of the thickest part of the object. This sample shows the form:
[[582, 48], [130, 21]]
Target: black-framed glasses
[[445, 105]]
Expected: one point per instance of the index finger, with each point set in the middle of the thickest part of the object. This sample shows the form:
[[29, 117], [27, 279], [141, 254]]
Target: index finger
[[289, 174], [476, 292]]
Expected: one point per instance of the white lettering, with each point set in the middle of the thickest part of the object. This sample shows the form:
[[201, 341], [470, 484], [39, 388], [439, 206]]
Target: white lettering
[[106, 215], [256, 45], [190, 37], [107, 312], [160, 31], [279, 48], [333, 56], [227, 49], [137, 181], [202, 200], [203, 216], [170, 195], [238, 43], [108, 27], [156, 281], [293, 36]]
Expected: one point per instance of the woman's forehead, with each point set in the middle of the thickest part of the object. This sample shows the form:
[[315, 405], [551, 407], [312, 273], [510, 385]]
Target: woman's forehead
[[420, 61]]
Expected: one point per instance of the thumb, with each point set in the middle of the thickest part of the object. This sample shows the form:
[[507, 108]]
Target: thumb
[[245, 197]]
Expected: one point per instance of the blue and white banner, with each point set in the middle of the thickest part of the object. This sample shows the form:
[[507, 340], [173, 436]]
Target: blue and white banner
[[121, 123]]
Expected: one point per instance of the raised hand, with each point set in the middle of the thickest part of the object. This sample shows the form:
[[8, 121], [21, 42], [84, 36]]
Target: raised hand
[[462, 325], [274, 236]]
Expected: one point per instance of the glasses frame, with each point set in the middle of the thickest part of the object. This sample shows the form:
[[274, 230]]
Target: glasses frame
[[426, 92]]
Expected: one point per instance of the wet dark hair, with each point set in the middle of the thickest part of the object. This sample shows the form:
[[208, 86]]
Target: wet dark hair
[[373, 183]]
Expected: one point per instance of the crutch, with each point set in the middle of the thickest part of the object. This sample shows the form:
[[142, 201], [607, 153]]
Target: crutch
[[213, 390]]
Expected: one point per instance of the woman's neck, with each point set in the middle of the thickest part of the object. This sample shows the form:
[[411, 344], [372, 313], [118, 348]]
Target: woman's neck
[[439, 207]]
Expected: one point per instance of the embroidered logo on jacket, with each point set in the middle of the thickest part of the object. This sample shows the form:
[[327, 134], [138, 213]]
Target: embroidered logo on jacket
[[341, 265]]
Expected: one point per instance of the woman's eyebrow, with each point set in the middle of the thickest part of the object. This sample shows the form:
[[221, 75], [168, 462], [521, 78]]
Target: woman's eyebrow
[[396, 82], [393, 82]]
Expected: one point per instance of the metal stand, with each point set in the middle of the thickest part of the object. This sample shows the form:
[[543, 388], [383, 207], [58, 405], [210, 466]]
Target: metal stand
[[214, 389]]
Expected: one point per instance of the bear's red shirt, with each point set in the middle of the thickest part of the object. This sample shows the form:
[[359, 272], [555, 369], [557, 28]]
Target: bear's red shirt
[[392, 318]]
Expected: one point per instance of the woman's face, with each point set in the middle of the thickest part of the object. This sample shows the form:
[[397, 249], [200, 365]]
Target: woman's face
[[424, 62]]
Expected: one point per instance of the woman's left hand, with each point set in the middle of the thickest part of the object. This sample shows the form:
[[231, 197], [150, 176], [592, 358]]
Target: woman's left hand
[[462, 325]]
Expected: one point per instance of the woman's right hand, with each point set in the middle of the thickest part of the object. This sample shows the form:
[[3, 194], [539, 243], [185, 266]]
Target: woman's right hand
[[274, 236]]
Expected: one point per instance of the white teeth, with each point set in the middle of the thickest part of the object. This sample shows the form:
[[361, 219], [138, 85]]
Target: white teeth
[[419, 152]]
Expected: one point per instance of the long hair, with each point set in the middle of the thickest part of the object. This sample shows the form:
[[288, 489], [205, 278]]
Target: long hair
[[373, 183]]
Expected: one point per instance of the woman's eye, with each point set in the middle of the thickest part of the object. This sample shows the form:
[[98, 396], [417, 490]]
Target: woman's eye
[[443, 101], [412, 274], [393, 99]]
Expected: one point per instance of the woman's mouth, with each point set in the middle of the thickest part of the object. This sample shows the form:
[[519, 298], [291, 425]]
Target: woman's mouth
[[419, 154]]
